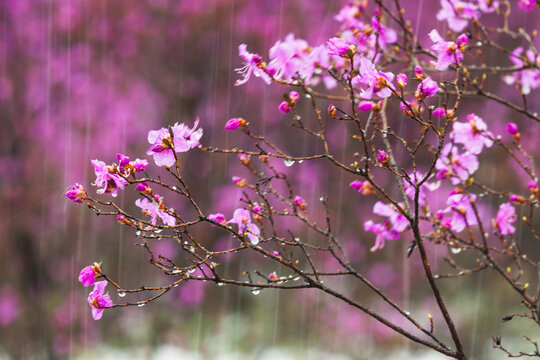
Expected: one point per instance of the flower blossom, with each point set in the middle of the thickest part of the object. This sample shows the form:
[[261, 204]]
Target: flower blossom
[[528, 79], [473, 134], [98, 300], [107, 178], [505, 217], [383, 34], [362, 187], [459, 205], [89, 274], [526, 5], [155, 209], [378, 83], [76, 193], [163, 147], [300, 203], [427, 88], [448, 52], [390, 228], [218, 217], [339, 46], [253, 64], [242, 218], [457, 13], [455, 166]]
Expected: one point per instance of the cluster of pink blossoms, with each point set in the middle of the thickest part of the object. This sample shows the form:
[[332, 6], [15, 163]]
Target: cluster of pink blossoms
[[242, 218]]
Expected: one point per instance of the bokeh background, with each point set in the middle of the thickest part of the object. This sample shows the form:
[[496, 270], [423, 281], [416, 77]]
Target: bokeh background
[[84, 79]]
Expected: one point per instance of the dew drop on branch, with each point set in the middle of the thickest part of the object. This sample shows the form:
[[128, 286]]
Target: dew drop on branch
[[256, 291]]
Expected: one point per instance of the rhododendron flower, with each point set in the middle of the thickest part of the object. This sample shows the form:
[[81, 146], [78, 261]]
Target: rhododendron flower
[[517, 199], [139, 165], [349, 15], [252, 65], [398, 221], [455, 166], [419, 72], [144, 188], [448, 52], [366, 105], [76, 193], [462, 211], [300, 203], [389, 229], [89, 274], [122, 159], [401, 80], [107, 178], [427, 88], [339, 46], [242, 218], [163, 147], [218, 217], [512, 128], [530, 78], [362, 187], [410, 189], [273, 276], [256, 208], [457, 13], [382, 231], [98, 300], [294, 97], [488, 6], [288, 58], [505, 217], [284, 107], [235, 123], [526, 5], [154, 209], [382, 157], [473, 134], [383, 34], [378, 83]]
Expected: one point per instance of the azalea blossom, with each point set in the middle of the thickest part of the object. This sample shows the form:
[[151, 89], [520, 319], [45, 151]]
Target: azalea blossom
[[98, 300], [459, 205], [288, 58], [448, 52], [300, 203], [455, 166], [218, 217], [473, 134], [252, 65], [155, 209], [372, 81], [457, 13], [339, 46], [107, 178], [163, 146], [362, 187], [527, 5], [89, 274], [528, 79], [242, 219], [383, 34], [390, 228], [506, 215], [427, 88], [76, 193], [235, 123]]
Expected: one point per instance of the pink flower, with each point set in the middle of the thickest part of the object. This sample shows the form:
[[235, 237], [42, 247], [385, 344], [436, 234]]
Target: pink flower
[[382, 231], [300, 203], [448, 52], [427, 88], [457, 13], [284, 107], [76, 193], [389, 229], [294, 97], [459, 205], [273, 276], [506, 216], [98, 300], [378, 83], [252, 65], [139, 165], [397, 220], [455, 166], [89, 274], [362, 187], [238, 181], [242, 219], [512, 128], [385, 35], [382, 157], [144, 188], [526, 5], [488, 6], [473, 134], [288, 59], [339, 46], [155, 209], [122, 159], [163, 147], [528, 79], [218, 217], [235, 123], [107, 178], [439, 112], [366, 105], [401, 80]]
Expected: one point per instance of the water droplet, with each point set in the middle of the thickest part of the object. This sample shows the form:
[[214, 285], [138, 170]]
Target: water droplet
[[121, 293], [114, 194], [308, 96], [192, 249], [455, 250], [157, 231], [174, 188], [177, 271], [296, 278], [478, 43], [498, 137], [191, 271], [408, 313], [300, 161], [256, 291], [321, 199], [297, 239], [220, 284], [288, 163], [141, 304], [138, 233]]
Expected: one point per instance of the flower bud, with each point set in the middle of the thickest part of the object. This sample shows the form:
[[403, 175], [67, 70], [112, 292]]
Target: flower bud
[[401, 80], [238, 181], [382, 158], [332, 110], [244, 159], [300, 203], [235, 123]]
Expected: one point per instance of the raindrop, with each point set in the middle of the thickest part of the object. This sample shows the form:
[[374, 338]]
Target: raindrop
[[141, 304], [191, 271], [138, 233], [498, 137], [321, 199], [191, 249], [297, 239], [256, 291], [121, 293], [455, 250], [114, 194], [478, 43], [408, 313], [157, 231], [300, 161], [174, 188], [220, 284], [288, 163], [177, 271], [296, 278], [308, 96]]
